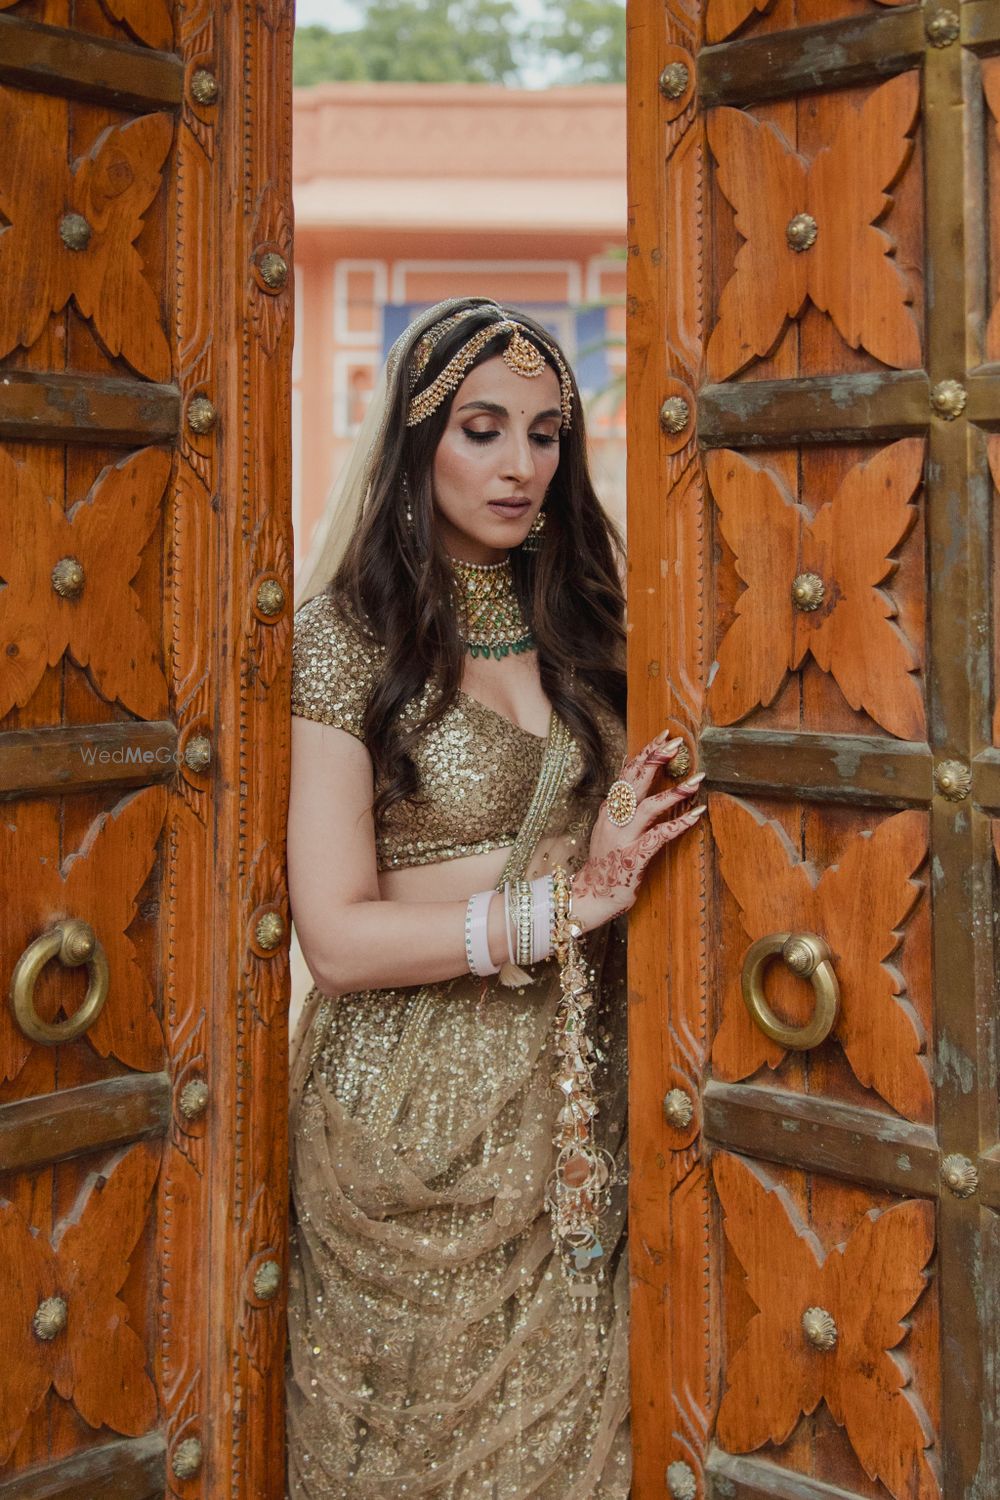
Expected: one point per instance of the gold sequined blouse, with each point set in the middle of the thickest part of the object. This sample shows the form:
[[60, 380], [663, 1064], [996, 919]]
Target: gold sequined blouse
[[476, 768]]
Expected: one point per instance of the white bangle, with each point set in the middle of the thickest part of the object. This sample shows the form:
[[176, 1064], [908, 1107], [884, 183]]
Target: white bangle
[[477, 942], [541, 936]]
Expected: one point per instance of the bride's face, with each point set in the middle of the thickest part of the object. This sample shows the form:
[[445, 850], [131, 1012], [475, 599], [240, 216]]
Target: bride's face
[[495, 460]]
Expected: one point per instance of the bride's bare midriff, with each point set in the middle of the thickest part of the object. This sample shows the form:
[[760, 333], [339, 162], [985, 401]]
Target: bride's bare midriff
[[458, 879]]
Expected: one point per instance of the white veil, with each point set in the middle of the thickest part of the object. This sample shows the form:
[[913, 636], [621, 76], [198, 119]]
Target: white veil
[[347, 497]]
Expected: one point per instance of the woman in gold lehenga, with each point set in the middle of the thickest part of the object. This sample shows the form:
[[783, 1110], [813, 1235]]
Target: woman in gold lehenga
[[458, 1296]]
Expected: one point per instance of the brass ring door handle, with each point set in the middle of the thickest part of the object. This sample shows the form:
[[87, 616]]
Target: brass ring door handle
[[73, 942], [809, 957]]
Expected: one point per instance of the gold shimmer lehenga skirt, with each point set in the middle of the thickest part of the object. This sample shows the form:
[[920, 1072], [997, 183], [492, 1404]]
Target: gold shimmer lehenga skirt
[[434, 1347]]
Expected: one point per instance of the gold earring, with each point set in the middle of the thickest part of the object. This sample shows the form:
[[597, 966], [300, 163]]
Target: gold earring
[[533, 540], [408, 513]]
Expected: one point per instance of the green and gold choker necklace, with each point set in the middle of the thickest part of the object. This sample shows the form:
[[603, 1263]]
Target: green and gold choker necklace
[[490, 619]]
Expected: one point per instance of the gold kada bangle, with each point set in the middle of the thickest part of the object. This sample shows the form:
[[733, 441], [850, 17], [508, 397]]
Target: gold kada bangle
[[577, 1188]]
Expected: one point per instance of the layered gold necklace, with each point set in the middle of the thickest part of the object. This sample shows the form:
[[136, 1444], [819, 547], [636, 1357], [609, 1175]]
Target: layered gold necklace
[[490, 619]]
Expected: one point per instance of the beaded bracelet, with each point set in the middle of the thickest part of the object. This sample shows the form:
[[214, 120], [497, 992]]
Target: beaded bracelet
[[525, 922], [528, 926]]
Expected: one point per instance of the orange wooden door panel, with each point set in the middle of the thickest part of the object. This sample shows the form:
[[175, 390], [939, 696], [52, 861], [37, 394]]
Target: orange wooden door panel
[[812, 289], [145, 559]]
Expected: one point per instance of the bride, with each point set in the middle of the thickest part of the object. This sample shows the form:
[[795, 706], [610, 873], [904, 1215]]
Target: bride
[[456, 860]]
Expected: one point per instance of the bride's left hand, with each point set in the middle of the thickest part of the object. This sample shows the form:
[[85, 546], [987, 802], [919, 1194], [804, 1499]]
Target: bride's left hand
[[608, 883]]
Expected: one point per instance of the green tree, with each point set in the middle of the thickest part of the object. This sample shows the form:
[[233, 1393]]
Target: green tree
[[468, 41], [422, 41], [589, 35]]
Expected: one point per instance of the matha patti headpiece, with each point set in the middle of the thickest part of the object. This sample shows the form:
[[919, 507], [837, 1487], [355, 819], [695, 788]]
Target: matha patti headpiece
[[425, 346], [521, 355]]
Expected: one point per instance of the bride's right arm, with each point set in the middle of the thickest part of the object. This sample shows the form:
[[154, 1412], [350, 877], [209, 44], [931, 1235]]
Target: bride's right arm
[[350, 938]]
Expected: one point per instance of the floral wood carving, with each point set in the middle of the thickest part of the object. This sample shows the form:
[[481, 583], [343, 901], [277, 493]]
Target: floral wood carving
[[266, 970], [106, 533], [96, 1360], [723, 17], [261, 1318], [275, 14], [270, 558], [848, 272], [111, 188], [867, 1286], [148, 20], [197, 42], [272, 227], [857, 906], [847, 545], [98, 883]]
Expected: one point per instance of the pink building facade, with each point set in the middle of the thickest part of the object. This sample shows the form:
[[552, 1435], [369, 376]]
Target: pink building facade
[[407, 193]]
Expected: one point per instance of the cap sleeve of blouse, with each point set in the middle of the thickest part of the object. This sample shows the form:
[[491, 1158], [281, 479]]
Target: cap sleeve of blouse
[[334, 667]]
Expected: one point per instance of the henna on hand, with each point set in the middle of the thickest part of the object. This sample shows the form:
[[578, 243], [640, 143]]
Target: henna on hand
[[616, 876]]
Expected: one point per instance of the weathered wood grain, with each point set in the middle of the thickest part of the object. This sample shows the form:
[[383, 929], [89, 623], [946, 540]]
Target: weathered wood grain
[[37, 761], [834, 54], [840, 1140], [980, 25], [86, 409], [732, 1478], [95, 1116], [79, 66], [858, 769], [823, 408], [986, 778], [115, 1471]]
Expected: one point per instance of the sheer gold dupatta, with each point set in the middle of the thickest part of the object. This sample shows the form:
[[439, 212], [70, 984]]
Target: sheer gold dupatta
[[310, 1032]]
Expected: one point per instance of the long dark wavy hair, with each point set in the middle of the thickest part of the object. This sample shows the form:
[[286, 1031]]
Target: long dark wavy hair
[[396, 582]]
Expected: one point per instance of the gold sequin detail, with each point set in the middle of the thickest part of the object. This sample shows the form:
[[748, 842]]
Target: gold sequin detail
[[477, 769], [435, 1347]]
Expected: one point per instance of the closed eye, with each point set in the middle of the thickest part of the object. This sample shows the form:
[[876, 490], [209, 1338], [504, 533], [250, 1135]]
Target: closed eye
[[540, 439]]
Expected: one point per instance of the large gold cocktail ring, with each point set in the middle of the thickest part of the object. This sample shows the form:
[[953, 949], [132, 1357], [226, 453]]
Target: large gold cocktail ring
[[621, 803]]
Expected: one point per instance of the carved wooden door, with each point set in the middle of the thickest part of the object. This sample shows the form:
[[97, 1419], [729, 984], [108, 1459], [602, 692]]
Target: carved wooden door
[[816, 1174], [145, 599]]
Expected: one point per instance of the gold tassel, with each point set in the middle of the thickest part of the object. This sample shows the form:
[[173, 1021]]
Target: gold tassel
[[513, 977]]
